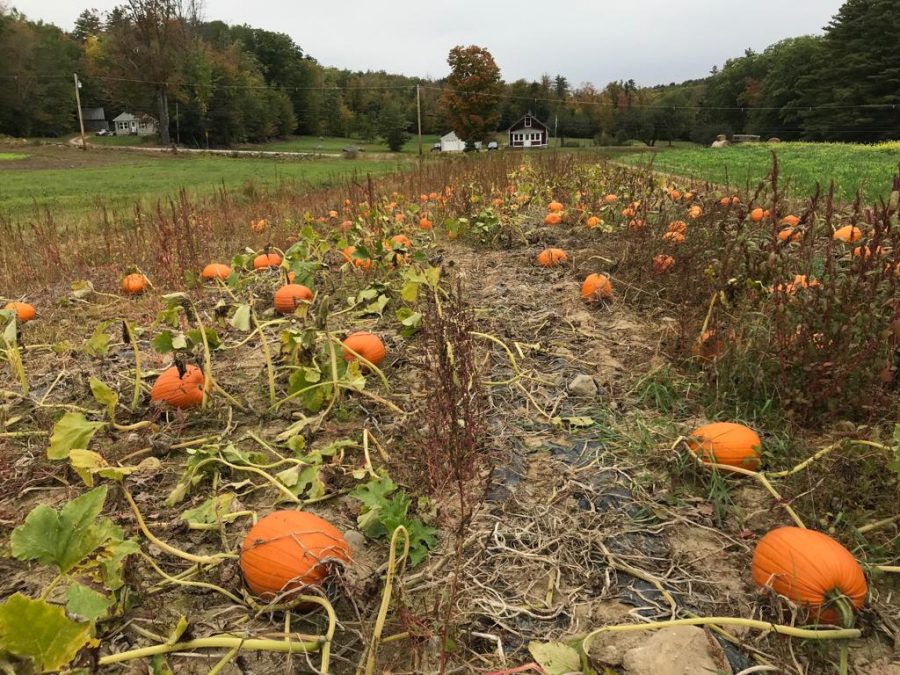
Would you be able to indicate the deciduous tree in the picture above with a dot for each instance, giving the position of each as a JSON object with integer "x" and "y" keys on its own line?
{"x": 471, "y": 97}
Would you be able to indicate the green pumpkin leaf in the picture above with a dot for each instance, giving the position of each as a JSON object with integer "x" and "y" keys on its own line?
{"x": 87, "y": 603}
{"x": 556, "y": 658}
{"x": 210, "y": 512}
{"x": 164, "y": 342}
{"x": 105, "y": 396}
{"x": 98, "y": 344}
{"x": 72, "y": 431}
{"x": 63, "y": 538}
{"x": 37, "y": 630}
{"x": 82, "y": 289}
{"x": 178, "y": 630}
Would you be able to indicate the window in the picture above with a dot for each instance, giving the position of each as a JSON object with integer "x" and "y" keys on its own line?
{"x": 527, "y": 121}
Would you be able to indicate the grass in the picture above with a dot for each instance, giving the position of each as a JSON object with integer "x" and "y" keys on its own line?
{"x": 337, "y": 144}
{"x": 802, "y": 166}
{"x": 120, "y": 180}
{"x": 120, "y": 141}
{"x": 9, "y": 156}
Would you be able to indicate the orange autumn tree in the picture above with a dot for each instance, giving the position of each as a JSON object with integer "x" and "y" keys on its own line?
{"x": 471, "y": 97}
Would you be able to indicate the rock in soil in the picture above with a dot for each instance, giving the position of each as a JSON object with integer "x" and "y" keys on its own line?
{"x": 680, "y": 650}
{"x": 583, "y": 385}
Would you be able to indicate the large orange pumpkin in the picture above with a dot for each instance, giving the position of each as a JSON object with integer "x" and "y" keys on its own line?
{"x": 24, "y": 311}
{"x": 265, "y": 260}
{"x": 552, "y": 219}
{"x": 808, "y": 568}
{"x": 289, "y": 297}
{"x": 367, "y": 345}
{"x": 288, "y": 550}
{"x": 133, "y": 284}
{"x": 847, "y": 233}
{"x": 551, "y": 257}
{"x": 727, "y": 443}
{"x": 179, "y": 391}
{"x": 596, "y": 287}
{"x": 216, "y": 271}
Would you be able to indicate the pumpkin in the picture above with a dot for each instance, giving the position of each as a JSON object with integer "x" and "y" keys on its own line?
{"x": 695, "y": 212}
{"x": 179, "y": 391}
{"x": 673, "y": 237}
{"x": 551, "y": 257}
{"x": 628, "y": 212}
{"x": 346, "y": 226}
{"x": 400, "y": 240}
{"x": 425, "y": 224}
{"x": 729, "y": 201}
{"x": 809, "y": 568}
{"x": 133, "y": 284}
{"x": 259, "y": 226}
{"x": 688, "y": 196}
{"x": 266, "y": 260}
{"x": 847, "y": 233}
{"x": 368, "y": 345}
{"x": 596, "y": 286}
{"x": 555, "y": 207}
{"x": 662, "y": 263}
{"x": 332, "y": 214}
{"x": 790, "y": 220}
{"x": 800, "y": 281}
{"x": 216, "y": 271}
{"x": 287, "y": 550}
{"x": 289, "y": 297}
{"x": 709, "y": 347}
{"x": 362, "y": 263}
{"x": 552, "y": 219}
{"x": 678, "y": 226}
{"x": 726, "y": 443}
{"x": 594, "y": 221}
{"x": 757, "y": 214}
{"x": 675, "y": 195}
{"x": 790, "y": 234}
{"x": 637, "y": 224}
{"x": 610, "y": 199}
{"x": 24, "y": 311}
{"x": 866, "y": 252}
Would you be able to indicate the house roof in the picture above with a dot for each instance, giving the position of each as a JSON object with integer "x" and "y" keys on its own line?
{"x": 128, "y": 117}
{"x": 534, "y": 120}
{"x": 93, "y": 114}
{"x": 450, "y": 136}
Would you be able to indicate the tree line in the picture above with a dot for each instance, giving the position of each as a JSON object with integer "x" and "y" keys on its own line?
{"x": 209, "y": 83}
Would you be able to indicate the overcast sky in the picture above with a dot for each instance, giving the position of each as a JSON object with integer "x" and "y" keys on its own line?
{"x": 651, "y": 41}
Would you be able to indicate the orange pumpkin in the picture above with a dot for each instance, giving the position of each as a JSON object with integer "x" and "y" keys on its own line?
{"x": 790, "y": 234}
{"x": 555, "y": 207}
{"x": 362, "y": 263}
{"x": 688, "y": 196}
{"x": 675, "y": 195}
{"x": 847, "y": 233}
{"x": 790, "y": 220}
{"x": 610, "y": 199}
{"x": 596, "y": 287}
{"x": 594, "y": 221}
{"x": 709, "y": 347}
{"x": 757, "y": 214}
{"x": 662, "y": 263}
{"x": 346, "y": 226}
{"x": 368, "y": 345}
{"x": 24, "y": 311}
{"x": 628, "y": 212}
{"x": 132, "y": 284}
{"x": 729, "y": 201}
{"x": 866, "y": 251}
{"x": 800, "y": 282}
{"x": 216, "y": 271}
{"x": 288, "y": 550}
{"x": 695, "y": 212}
{"x": 289, "y": 297}
{"x": 266, "y": 260}
{"x": 400, "y": 240}
{"x": 552, "y": 219}
{"x": 678, "y": 226}
{"x": 637, "y": 224}
{"x": 673, "y": 237}
{"x": 809, "y": 568}
{"x": 726, "y": 443}
{"x": 425, "y": 224}
{"x": 551, "y": 257}
{"x": 179, "y": 391}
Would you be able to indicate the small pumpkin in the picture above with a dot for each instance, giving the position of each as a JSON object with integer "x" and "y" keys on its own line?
{"x": 662, "y": 263}
{"x": 362, "y": 263}
{"x": 695, "y": 212}
{"x": 866, "y": 252}
{"x": 555, "y": 207}
{"x": 790, "y": 234}
{"x": 289, "y": 297}
{"x": 678, "y": 226}
{"x": 628, "y": 212}
{"x": 425, "y": 224}
{"x": 551, "y": 257}
{"x": 266, "y": 260}
{"x": 346, "y": 226}
{"x": 637, "y": 224}
{"x": 729, "y": 201}
{"x": 674, "y": 195}
{"x": 132, "y": 284}
{"x": 596, "y": 287}
{"x": 800, "y": 282}
{"x": 400, "y": 240}
{"x": 758, "y": 214}
{"x": 726, "y": 443}
{"x": 216, "y": 271}
{"x": 673, "y": 237}
{"x": 552, "y": 219}
{"x": 177, "y": 389}
{"x": 594, "y": 221}
{"x": 810, "y": 569}
{"x": 287, "y": 550}
{"x": 709, "y": 347}
{"x": 368, "y": 345}
{"x": 24, "y": 311}
{"x": 790, "y": 220}
{"x": 610, "y": 199}
{"x": 847, "y": 233}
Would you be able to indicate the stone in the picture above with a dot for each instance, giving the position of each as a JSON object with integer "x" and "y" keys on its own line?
{"x": 583, "y": 385}
{"x": 679, "y": 650}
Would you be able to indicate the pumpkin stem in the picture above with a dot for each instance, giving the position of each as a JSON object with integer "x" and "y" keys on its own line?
{"x": 844, "y": 608}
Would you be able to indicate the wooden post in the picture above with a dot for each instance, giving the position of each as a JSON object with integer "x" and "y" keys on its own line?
{"x": 419, "y": 117}
{"x": 80, "y": 117}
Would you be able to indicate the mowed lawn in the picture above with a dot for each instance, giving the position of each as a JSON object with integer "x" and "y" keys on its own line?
{"x": 336, "y": 144}
{"x": 76, "y": 183}
{"x": 802, "y": 166}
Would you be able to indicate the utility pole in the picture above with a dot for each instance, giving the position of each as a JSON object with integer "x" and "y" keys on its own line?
{"x": 419, "y": 116}
{"x": 177, "y": 124}
{"x": 80, "y": 117}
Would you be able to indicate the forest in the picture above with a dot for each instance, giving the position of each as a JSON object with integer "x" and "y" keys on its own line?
{"x": 210, "y": 83}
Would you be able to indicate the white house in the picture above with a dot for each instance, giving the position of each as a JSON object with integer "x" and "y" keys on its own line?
{"x": 529, "y": 132}
{"x": 134, "y": 125}
{"x": 452, "y": 143}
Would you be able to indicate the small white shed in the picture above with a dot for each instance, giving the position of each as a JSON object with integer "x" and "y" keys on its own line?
{"x": 127, "y": 124}
{"x": 452, "y": 143}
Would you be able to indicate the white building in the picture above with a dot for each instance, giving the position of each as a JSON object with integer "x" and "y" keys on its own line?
{"x": 452, "y": 143}
{"x": 127, "y": 124}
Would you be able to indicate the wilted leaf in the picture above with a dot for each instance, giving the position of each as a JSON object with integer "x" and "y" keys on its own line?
{"x": 105, "y": 396}
{"x": 87, "y": 603}
{"x": 555, "y": 658}
{"x": 241, "y": 318}
{"x": 410, "y": 320}
{"x": 40, "y": 631}
{"x": 178, "y": 630}
{"x": 573, "y": 421}
{"x": 82, "y": 289}
{"x": 72, "y": 431}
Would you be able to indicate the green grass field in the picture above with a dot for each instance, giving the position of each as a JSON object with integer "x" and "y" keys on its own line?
{"x": 120, "y": 141}
{"x": 53, "y": 180}
{"x": 336, "y": 144}
{"x": 9, "y": 156}
{"x": 802, "y": 166}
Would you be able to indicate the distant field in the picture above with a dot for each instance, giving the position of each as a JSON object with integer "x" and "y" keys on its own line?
{"x": 71, "y": 181}
{"x": 802, "y": 166}
{"x": 336, "y": 144}
{"x": 122, "y": 140}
